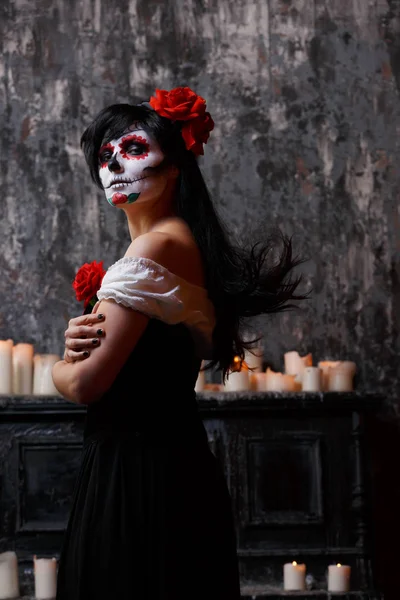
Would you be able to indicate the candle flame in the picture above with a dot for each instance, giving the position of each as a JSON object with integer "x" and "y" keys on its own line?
{"x": 338, "y": 565}
{"x": 294, "y": 563}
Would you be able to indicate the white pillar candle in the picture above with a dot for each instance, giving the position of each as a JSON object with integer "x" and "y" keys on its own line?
{"x": 312, "y": 379}
{"x": 258, "y": 382}
{"x": 6, "y": 347}
{"x": 9, "y": 582}
{"x": 295, "y": 364}
{"x": 200, "y": 382}
{"x": 294, "y": 577}
{"x": 341, "y": 377}
{"x": 45, "y": 570}
{"x": 237, "y": 381}
{"x": 238, "y": 378}
{"x": 42, "y": 378}
{"x": 326, "y": 366}
{"x": 280, "y": 382}
{"x": 339, "y": 578}
{"x": 22, "y": 359}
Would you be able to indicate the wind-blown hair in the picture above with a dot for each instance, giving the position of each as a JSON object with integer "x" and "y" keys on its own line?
{"x": 242, "y": 281}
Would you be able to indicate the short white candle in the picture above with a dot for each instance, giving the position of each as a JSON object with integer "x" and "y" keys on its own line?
{"x": 238, "y": 379}
{"x": 6, "y": 373}
{"x": 280, "y": 382}
{"x": 200, "y": 382}
{"x": 339, "y": 578}
{"x": 294, "y": 577}
{"x": 42, "y": 378}
{"x": 22, "y": 359}
{"x": 326, "y": 366}
{"x": 45, "y": 570}
{"x": 258, "y": 382}
{"x": 9, "y": 583}
{"x": 312, "y": 379}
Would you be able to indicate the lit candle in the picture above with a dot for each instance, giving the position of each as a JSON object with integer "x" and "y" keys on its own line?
{"x": 294, "y": 577}
{"x": 42, "y": 378}
{"x": 22, "y": 359}
{"x": 312, "y": 379}
{"x": 9, "y": 583}
{"x": 6, "y": 347}
{"x": 238, "y": 379}
{"x": 339, "y": 578}
{"x": 45, "y": 570}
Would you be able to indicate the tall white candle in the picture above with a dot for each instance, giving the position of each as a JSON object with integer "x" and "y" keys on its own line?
{"x": 22, "y": 359}
{"x": 294, "y": 577}
{"x": 42, "y": 378}
{"x": 9, "y": 582}
{"x": 45, "y": 570}
{"x": 6, "y": 373}
{"x": 339, "y": 578}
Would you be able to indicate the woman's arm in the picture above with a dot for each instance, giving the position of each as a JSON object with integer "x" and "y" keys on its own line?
{"x": 85, "y": 381}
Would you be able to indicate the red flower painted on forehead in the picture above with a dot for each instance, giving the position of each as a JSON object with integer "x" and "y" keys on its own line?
{"x": 107, "y": 147}
{"x": 127, "y": 141}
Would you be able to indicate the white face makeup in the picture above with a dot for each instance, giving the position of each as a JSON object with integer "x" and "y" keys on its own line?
{"x": 128, "y": 168}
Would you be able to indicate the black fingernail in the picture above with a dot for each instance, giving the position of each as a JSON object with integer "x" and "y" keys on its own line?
{"x": 95, "y": 341}
{"x": 86, "y": 353}
{"x": 99, "y": 332}
{"x": 100, "y": 316}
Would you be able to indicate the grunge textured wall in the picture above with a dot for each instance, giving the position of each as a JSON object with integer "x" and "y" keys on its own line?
{"x": 305, "y": 97}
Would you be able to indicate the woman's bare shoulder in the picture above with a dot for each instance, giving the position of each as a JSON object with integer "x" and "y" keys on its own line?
{"x": 171, "y": 244}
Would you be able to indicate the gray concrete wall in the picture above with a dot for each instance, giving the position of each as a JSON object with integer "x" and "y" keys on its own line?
{"x": 305, "y": 97}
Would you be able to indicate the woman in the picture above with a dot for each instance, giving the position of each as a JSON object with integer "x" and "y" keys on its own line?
{"x": 151, "y": 516}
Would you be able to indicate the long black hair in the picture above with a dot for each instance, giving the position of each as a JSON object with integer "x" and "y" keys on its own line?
{"x": 242, "y": 280}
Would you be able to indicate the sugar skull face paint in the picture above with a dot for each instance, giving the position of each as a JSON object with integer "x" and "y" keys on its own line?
{"x": 128, "y": 168}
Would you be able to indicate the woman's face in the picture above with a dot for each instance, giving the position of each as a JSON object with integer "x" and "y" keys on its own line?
{"x": 132, "y": 168}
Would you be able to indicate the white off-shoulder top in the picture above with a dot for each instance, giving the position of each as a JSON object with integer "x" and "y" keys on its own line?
{"x": 148, "y": 287}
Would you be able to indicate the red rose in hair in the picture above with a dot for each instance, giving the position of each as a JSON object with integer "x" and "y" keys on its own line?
{"x": 182, "y": 104}
{"x": 179, "y": 104}
{"x": 196, "y": 133}
{"x": 87, "y": 283}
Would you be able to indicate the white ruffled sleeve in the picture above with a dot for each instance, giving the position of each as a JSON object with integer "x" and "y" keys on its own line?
{"x": 146, "y": 286}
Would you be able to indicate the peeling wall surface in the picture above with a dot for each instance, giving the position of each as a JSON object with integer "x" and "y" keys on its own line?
{"x": 305, "y": 99}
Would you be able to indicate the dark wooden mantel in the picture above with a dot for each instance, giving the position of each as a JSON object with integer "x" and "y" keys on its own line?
{"x": 296, "y": 464}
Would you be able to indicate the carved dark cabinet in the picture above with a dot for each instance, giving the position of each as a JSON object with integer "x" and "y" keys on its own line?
{"x": 297, "y": 467}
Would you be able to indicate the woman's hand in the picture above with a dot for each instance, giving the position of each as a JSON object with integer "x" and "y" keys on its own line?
{"x": 83, "y": 335}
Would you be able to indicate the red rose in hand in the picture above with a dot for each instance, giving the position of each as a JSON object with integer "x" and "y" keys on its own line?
{"x": 179, "y": 104}
{"x": 87, "y": 282}
{"x": 196, "y": 133}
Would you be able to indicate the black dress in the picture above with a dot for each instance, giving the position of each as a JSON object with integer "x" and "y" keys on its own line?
{"x": 151, "y": 516}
